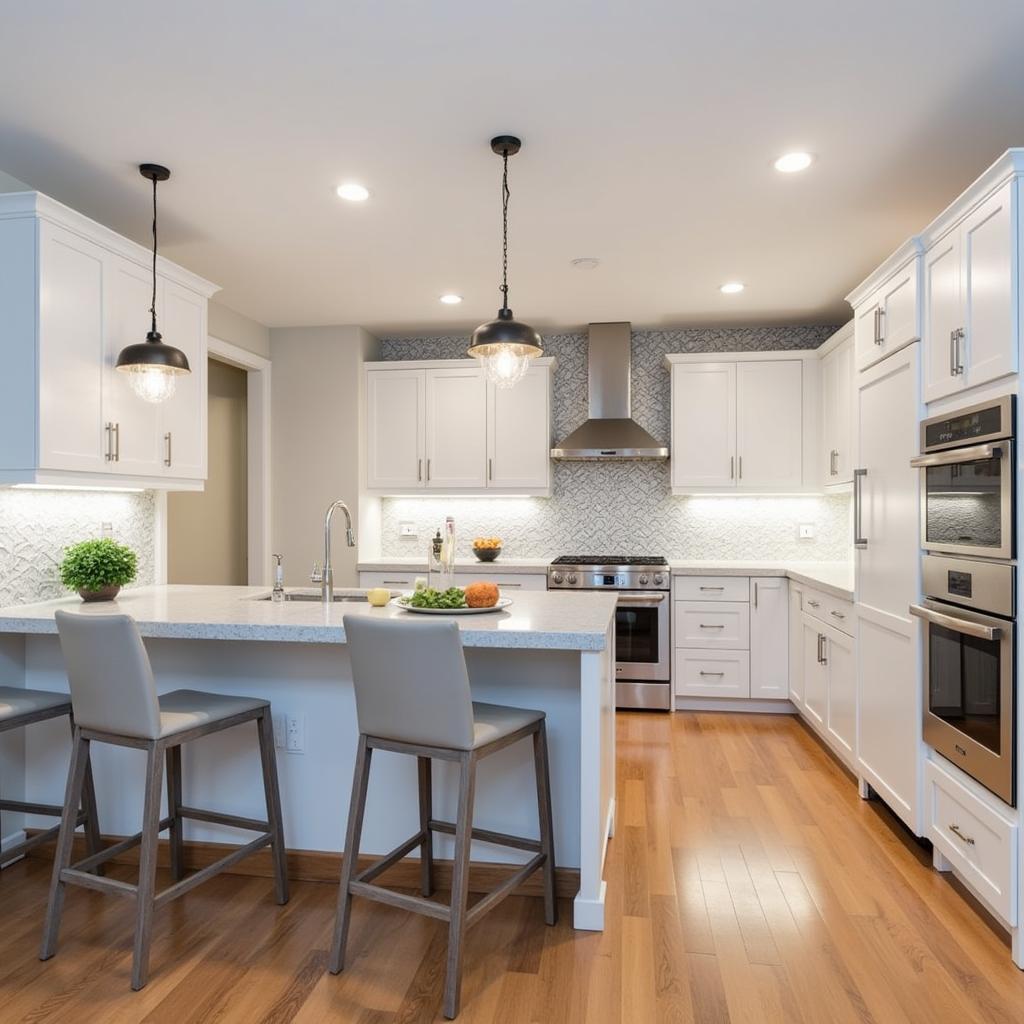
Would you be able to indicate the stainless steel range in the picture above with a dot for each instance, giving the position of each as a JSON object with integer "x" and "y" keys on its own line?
{"x": 643, "y": 666}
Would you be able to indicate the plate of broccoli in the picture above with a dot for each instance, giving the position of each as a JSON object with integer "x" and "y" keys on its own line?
{"x": 452, "y": 601}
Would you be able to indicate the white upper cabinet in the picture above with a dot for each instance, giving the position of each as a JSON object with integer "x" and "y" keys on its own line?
{"x": 837, "y": 409}
{"x": 744, "y": 422}
{"x": 704, "y": 425}
{"x": 74, "y": 294}
{"x": 886, "y": 310}
{"x": 456, "y": 428}
{"x": 970, "y": 307}
{"x": 519, "y": 432}
{"x": 395, "y": 425}
{"x": 440, "y": 426}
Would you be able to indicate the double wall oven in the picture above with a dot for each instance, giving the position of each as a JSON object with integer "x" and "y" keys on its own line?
{"x": 643, "y": 653}
{"x": 968, "y": 575}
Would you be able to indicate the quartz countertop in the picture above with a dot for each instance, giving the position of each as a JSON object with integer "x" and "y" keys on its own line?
{"x": 419, "y": 565}
{"x": 535, "y": 619}
{"x": 835, "y": 578}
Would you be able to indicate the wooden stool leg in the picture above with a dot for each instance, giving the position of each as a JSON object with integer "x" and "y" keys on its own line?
{"x": 547, "y": 839}
{"x": 144, "y": 903}
{"x": 92, "y": 819}
{"x": 65, "y": 841}
{"x": 426, "y": 813}
{"x": 272, "y": 791}
{"x": 360, "y": 778}
{"x": 460, "y": 885}
{"x": 175, "y": 838}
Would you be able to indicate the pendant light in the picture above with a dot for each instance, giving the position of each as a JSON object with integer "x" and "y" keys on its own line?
{"x": 153, "y": 367}
{"x": 505, "y": 346}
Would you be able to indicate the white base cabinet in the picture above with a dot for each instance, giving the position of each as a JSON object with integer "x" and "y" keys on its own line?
{"x": 769, "y": 636}
{"x": 74, "y": 294}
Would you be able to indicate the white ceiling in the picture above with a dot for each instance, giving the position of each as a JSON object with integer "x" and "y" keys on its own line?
{"x": 648, "y": 127}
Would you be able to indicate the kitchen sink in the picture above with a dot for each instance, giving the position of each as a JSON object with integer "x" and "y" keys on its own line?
{"x": 298, "y": 595}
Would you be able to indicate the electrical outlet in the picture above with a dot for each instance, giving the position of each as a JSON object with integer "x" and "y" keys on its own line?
{"x": 279, "y": 731}
{"x": 805, "y": 531}
{"x": 106, "y": 530}
{"x": 407, "y": 530}
{"x": 295, "y": 734}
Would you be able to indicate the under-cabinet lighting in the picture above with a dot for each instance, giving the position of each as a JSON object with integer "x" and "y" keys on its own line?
{"x": 77, "y": 487}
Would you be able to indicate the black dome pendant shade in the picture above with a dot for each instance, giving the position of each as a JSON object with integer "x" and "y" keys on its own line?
{"x": 505, "y": 344}
{"x": 152, "y": 363}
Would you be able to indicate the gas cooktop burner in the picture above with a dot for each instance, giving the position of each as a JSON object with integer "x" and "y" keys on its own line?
{"x": 610, "y": 560}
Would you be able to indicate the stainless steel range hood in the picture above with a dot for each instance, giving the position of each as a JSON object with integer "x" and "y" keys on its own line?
{"x": 611, "y": 432}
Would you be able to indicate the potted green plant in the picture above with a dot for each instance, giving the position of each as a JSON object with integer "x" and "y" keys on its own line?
{"x": 98, "y": 569}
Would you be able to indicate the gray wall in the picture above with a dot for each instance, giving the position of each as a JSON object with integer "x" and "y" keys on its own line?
{"x": 627, "y": 506}
{"x": 228, "y": 325}
{"x": 317, "y": 430}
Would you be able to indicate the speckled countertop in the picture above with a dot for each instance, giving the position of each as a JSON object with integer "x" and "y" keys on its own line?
{"x": 535, "y": 620}
{"x": 834, "y": 578}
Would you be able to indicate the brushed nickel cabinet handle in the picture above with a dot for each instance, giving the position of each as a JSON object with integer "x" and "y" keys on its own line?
{"x": 813, "y": 604}
{"x": 428, "y": 471}
{"x": 167, "y": 450}
{"x": 703, "y": 673}
{"x": 399, "y": 583}
{"x": 419, "y": 470}
{"x": 109, "y": 454}
{"x": 837, "y": 615}
{"x": 732, "y": 467}
{"x": 117, "y": 442}
{"x": 955, "y": 829}
{"x": 741, "y": 467}
{"x": 490, "y": 469}
{"x": 755, "y": 593}
{"x": 859, "y": 540}
{"x": 712, "y": 588}
{"x": 705, "y": 625}
{"x": 952, "y": 353}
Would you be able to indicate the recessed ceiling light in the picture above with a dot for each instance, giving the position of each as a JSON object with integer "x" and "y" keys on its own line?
{"x": 451, "y": 299}
{"x": 790, "y": 163}
{"x": 731, "y": 287}
{"x": 586, "y": 263}
{"x": 353, "y": 193}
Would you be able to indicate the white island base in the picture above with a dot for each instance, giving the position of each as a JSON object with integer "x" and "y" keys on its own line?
{"x": 565, "y": 670}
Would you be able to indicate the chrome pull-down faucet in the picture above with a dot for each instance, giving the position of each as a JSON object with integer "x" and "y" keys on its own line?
{"x": 325, "y": 575}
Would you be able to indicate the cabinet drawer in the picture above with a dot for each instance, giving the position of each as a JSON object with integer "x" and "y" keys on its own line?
{"x": 712, "y": 588}
{"x": 394, "y": 580}
{"x": 712, "y": 673}
{"x": 506, "y": 581}
{"x": 713, "y": 624}
{"x": 976, "y": 837}
{"x": 833, "y": 611}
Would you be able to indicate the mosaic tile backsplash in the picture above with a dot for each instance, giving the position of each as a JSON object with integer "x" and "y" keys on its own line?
{"x": 627, "y": 506}
{"x": 37, "y": 525}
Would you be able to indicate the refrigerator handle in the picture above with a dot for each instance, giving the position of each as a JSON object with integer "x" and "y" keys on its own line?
{"x": 859, "y": 540}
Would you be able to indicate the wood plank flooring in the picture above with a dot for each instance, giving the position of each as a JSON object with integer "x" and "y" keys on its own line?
{"x": 747, "y": 883}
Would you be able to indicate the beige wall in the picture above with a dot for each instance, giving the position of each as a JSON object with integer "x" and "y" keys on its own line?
{"x": 228, "y": 325}
{"x": 316, "y": 442}
{"x": 207, "y": 536}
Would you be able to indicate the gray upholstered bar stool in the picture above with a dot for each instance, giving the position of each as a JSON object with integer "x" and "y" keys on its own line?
{"x": 115, "y": 701}
{"x": 19, "y": 708}
{"x": 412, "y": 697}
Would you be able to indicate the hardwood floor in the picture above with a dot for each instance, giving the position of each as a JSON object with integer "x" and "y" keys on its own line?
{"x": 747, "y": 883}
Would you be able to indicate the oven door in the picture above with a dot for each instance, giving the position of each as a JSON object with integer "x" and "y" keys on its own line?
{"x": 970, "y": 693}
{"x": 967, "y": 500}
{"x": 642, "y": 636}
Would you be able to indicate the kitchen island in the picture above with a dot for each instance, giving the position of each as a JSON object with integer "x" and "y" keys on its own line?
{"x": 554, "y": 652}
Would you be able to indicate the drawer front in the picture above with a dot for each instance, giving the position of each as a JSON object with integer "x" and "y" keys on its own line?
{"x": 979, "y": 840}
{"x": 712, "y": 588}
{"x": 712, "y": 624}
{"x": 394, "y": 580}
{"x": 712, "y": 673}
{"x": 839, "y": 614}
{"x": 506, "y": 581}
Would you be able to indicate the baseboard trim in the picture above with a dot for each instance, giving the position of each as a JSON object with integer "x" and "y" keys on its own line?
{"x": 325, "y": 866}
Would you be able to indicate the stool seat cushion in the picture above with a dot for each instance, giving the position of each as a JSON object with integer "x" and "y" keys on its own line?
{"x": 181, "y": 710}
{"x": 493, "y": 721}
{"x": 15, "y": 702}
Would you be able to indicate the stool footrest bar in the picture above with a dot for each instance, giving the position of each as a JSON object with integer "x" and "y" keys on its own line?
{"x": 495, "y": 896}
{"x": 417, "y": 904}
{"x": 217, "y": 818}
{"x": 84, "y": 879}
{"x": 378, "y": 867}
{"x": 112, "y": 851}
{"x": 487, "y": 836}
{"x": 25, "y": 807}
{"x": 182, "y": 887}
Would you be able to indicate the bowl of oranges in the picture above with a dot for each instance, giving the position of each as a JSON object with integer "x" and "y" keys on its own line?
{"x": 487, "y": 549}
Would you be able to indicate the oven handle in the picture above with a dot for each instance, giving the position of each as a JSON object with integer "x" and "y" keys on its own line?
{"x": 955, "y": 455}
{"x": 647, "y": 599}
{"x": 975, "y": 629}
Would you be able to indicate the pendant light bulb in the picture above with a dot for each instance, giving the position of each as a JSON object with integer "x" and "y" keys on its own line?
{"x": 151, "y": 366}
{"x": 505, "y": 346}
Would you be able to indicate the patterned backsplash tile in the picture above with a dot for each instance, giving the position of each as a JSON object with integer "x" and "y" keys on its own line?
{"x": 627, "y": 506}
{"x": 36, "y": 527}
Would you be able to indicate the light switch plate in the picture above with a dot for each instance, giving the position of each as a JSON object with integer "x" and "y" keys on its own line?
{"x": 407, "y": 530}
{"x": 805, "y": 531}
{"x": 295, "y": 733}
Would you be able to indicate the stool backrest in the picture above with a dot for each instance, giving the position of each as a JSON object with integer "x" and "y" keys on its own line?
{"x": 411, "y": 681}
{"x": 112, "y": 685}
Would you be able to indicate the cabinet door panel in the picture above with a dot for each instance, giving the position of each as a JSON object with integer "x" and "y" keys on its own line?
{"x": 519, "y": 433}
{"x": 865, "y": 331}
{"x": 987, "y": 291}
{"x": 769, "y": 638}
{"x": 456, "y": 428}
{"x": 183, "y": 416}
{"x": 942, "y": 316}
{"x": 769, "y": 433}
{"x": 394, "y": 429}
{"x": 796, "y": 653}
{"x": 837, "y": 387}
{"x": 813, "y": 672}
{"x": 71, "y": 322}
{"x": 704, "y": 425}
{"x": 842, "y": 693}
{"x": 139, "y": 440}
{"x": 899, "y": 325}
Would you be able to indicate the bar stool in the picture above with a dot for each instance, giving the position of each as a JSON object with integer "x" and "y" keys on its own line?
{"x": 412, "y": 697}
{"x": 115, "y": 701}
{"x": 18, "y": 708}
